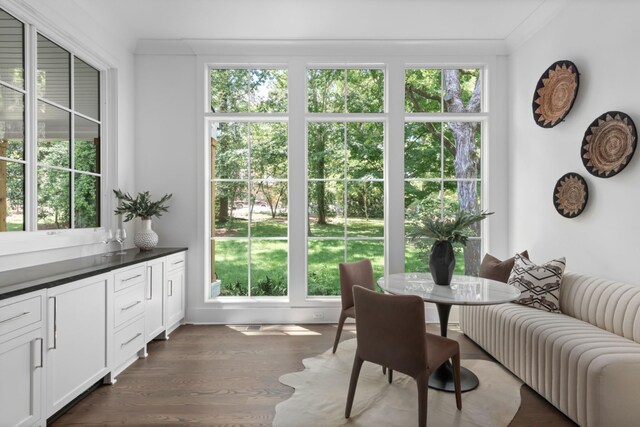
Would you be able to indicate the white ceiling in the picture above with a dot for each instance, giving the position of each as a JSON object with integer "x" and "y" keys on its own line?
{"x": 322, "y": 19}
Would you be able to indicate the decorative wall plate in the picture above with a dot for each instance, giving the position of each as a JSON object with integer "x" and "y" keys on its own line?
{"x": 555, "y": 93}
{"x": 570, "y": 195}
{"x": 608, "y": 144}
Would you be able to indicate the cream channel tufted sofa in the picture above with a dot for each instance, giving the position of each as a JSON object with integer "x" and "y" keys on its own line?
{"x": 585, "y": 361}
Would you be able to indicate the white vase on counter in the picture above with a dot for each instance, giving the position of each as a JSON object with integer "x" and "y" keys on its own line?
{"x": 145, "y": 238}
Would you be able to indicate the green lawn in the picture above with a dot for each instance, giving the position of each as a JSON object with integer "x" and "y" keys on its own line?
{"x": 269, "y": 257}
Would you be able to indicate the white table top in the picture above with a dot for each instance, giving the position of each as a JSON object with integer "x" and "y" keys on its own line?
{"x": 464, "y": 290}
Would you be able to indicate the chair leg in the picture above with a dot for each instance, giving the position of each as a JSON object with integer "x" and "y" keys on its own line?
{"x": 422, "y": 382}
{"x": 355, "y": 373}
{"x": 339, "y": 331}
{"x": 456, "y": 380}
{"x": 390, "y": 375}
{"x": 384, "y": 370}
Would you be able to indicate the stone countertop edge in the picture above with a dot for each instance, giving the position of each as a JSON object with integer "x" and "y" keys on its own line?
{"x": 28, "y": 279}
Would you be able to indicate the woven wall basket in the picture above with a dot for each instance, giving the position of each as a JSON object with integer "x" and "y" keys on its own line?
{"x": 555, "y": 93}
{"x": 570, "y": 195}
{"x": 608, "y": 144}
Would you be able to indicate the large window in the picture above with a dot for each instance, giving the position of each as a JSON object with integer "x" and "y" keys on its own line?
{"x": 345, "y": 165}
{"x": 442, "y": 157}
{"x": 249, "y": 172}
{"x": 311, "y": 163}
{"x": 62, "y": 153}
{"x": 12, "y": 124}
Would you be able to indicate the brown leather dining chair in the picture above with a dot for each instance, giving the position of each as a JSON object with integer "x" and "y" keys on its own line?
{"x": 391, "y": 332}
{"x": 352, "y": 273}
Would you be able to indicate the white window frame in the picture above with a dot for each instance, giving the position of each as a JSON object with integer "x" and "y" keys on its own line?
{"x": 342, "y": 118}
{"x": 396, "y": 57}
{"x": 30, "y": 240}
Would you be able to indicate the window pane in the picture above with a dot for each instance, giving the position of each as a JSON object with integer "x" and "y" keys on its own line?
{"x": 368, "y": 249}
{"x": 460, "y": 87}
{"x": 420, "y": 196}
{"x": 462, "y": 150}
{"x": 269, "y": 209}
{"x": 423, "y": 90}
{"x": 231, "y": 210}
{"x": 54, "y": 199}
{"x": 463, "y": 195}
{"x": 229, "y": 90}
{"x": 87, "y": 201}
{"x": 230, "y": 262}
{"x": 365, "y": 91}
{"x": 11, "y": 124}
{"x": 231, "y": 151}
{"x": 269, "y": 150}
{"x": 11, "y": 50}
{"x": 87, "y": 89}
{"x": 422, "y": 152}
{"x": 87, "y": 145}
{"x": 268, "y": 91}
{"x": 326, "y": 150}
{"x": 323, "y": 276}
{"x": 416, "y": 255}
{"x": 11, "y": 196}
{"x": 53, "y": 72}
{"x": 365, "y": 215}
{"x": 269, "y": 268}
{"x": 325, "y": 91}
{"x": 365, "y": 150}
{"x": 326, "y": 209}
{"x": 53, "y": 135}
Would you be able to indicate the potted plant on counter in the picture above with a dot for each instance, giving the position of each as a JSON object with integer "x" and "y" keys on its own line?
{"x": 445, "y": 230}
{"x": 144, "y": 208}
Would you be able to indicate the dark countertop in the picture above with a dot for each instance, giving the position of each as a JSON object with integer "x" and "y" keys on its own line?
{"x": 28, "y": 279}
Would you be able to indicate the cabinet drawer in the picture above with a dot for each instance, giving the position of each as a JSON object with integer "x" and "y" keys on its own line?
{"x": 128, "y": 304}
{"x": 18, "y": 314}
{"x": 132, "y": 276}
{"x": 175, "y": 261}
{"x": 128, "y": 341}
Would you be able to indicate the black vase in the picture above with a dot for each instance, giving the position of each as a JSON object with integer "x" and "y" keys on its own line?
{"x": 442, "y": 262}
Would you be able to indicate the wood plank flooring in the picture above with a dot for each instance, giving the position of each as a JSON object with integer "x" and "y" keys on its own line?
{"x": 218, "y": 376}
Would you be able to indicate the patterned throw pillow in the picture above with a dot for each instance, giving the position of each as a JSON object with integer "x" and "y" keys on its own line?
{"x": 539, "y": 284}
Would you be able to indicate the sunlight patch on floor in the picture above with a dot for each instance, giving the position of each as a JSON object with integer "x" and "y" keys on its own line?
{"x": 263, "y": 330}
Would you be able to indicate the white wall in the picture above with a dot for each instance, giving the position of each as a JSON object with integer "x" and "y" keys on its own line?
{"x": 96, "y": 35}
{"x": 602, "y": 39}
{"x": 166, "y": 150}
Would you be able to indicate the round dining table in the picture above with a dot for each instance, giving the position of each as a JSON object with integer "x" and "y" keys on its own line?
{"x": 463, "y": 290}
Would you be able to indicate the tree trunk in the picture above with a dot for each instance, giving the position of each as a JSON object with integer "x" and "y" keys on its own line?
{"x": 465, "y": 163}
{"x": 223, "y": 211}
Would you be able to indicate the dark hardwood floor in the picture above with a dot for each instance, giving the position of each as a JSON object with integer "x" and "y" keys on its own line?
{"x": 218, "y": 376}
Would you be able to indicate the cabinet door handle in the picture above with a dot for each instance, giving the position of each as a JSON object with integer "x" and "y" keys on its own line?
{"x": 170, "y": 288}
{"x": 178, "y": 262}
{"x": 133, "y": 304}
{"x": 41, "y": 353}
{"x": 53, "y": 334}
{"x": 132, "y": 277}
{"x": 150, "y": 276}
{"x": 16, "y": 317}
{"x": 130, "y": 339}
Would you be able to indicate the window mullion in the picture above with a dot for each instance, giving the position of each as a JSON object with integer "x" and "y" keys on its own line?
{"x": 31, "y": 130}
{"x": 72, "y": 142}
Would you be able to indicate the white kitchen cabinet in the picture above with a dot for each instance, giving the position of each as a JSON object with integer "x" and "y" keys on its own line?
{"x": 175, "y": 291}
{"x": 129, "y": 308}
{"x": 79, "y": 329}
{"x": 21, "y": 360}
{"x": 154, "y": 299}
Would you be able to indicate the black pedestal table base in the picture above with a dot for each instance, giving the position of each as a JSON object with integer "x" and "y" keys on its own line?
{"x": 442, "y": 378}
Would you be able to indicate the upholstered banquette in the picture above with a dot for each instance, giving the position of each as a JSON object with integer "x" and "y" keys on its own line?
{"x": 585, "y": 361}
